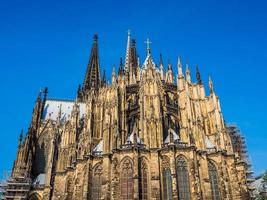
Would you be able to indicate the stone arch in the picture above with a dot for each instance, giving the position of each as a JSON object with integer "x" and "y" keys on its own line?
{"x": 183, "y": 185}
{"x": 126, "y": 179}
{"x": 35, "y": 196}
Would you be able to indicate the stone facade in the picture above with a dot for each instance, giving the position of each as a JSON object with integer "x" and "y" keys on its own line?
{"x": 144, "y": 136}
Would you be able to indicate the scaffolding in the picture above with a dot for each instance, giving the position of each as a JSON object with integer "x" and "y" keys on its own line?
{"x": 240, "y": 148}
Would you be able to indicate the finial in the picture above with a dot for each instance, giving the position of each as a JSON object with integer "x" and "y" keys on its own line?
{"x": 133, "y": 42}
{"x": 95, "y": 37}
{"x": 169, "y": 64}
{"x": 198, "y": 75}
{"x": 104, "y": 78}
{"x": 148, "y": 42}
{"x": 129, "y": 32}
{"x": 160, "y": 60}
{"x": 188, "y": 77}
{"x": 20, "y": 137}
{"x": 121, "y": 70}
{"x": 114, "y": 69}
{"x": 179, "y": 65}
{"x": 211, "y": 86}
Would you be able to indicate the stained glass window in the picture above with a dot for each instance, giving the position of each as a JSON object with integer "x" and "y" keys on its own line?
{"x": 166, "y": 179}
{"x": 127, "y": 183}
{"x": 215, "y": 192}
{"x": 182, "y": 179}
{"x": 97, "y": 182}
{"x": 143, "y": 180}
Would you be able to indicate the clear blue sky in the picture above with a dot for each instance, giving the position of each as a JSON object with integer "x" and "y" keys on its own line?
{"x": 46, "y": 43}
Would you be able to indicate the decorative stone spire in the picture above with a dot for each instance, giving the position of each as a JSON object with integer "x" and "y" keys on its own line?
{"x": 45, "y": 92}
{"x": 79, "y": 92}
{"x": 198, "y": 76}
{"x": 121, "y": 70}
{"x": 20, "y": 137}
{"x": 161, "y": 67}
{"x": 114, "y": 75}
{"x": 133, "y": 63}
{"x": 148, "y": 42}
{"x": 180, "y": 70}
{"x": 188, "y": 76}
{"x": 92, "y": 77}
{"x": 169, "y": 74}
{"x": 211, "y": 86}
{"x": 104, "y": 80}
{"x": 128, "y": 52}
{"x": 138, "y": 70}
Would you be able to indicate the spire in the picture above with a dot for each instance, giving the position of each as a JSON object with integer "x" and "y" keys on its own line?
{"x": 92, "y": 77}
{"x": 198, "y": 76}
{"x": 148, "y": 42}
{"x": 169, "y": 74}
{"x": 179, "y": 65}
{"x": 79, "y": 92}
{"x": 20, "y": 137}
{"x": 104, "y": 80}
{"x": 128, "y": 51}
{"x": 160, "y": 60}
{"x": 161, "y": 68}
{"x": 45, "y": 92}
{"x": 134, "y": 59}
{"x": 211, "y": 86}
{"x": 121, "y": 70}
{"x": 188, "y": 76}
{"x": 114, "y": 75}
{"x": 37, "y": 111}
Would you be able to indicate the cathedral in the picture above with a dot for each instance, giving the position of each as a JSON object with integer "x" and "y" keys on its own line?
{"x": 148, "y": 134}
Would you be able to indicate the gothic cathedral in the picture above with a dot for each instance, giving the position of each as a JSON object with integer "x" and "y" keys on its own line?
{"x": 149, "y": 134}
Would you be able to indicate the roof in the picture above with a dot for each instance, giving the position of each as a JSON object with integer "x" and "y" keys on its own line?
{"x": 40, "y": 180}
{"x": 54, "y": 107}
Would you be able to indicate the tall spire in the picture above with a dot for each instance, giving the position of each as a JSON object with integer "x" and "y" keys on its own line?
{"x": 134, "y": 59}
{"x": 198, "y": 76}
{"x": 92, "y": 77}
{"x": 128, "y": 51}
{"x": 179, "y": 65}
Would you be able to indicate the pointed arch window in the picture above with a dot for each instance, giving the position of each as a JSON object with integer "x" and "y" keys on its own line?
{"x": 97, "y": 182}
{"x": 215, "y": 192}
{"x": 166, "y": 179}
{"x": 143, "y": 180}
{"x": 127, "y": 185}
{"x": 182, "y": 179}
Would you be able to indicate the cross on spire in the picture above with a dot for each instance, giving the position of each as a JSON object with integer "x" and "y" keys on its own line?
{"x": 148, "y": 42}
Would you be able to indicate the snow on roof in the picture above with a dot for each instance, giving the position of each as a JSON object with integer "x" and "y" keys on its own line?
{"x": 99, "y": 147}
{"x": 52, "y": 109}
{"x": 130, "y": 139}
{"x": 209, "y": 144}
{"x": 40, "y": 180}
{"x": 175, "y": 136}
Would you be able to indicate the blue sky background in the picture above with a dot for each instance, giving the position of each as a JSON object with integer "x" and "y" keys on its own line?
{"x": 46, "y": 43}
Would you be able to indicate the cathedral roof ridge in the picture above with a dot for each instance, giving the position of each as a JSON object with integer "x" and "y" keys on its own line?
{"x": 59, "y": 99}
